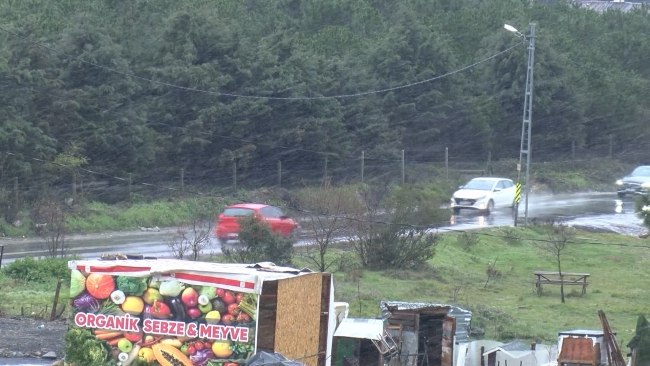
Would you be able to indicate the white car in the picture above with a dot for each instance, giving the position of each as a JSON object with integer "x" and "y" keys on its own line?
{"x": 484, "y": 194}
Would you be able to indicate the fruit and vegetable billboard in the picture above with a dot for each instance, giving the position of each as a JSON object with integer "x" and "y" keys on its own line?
{"x": 121, "y": 318}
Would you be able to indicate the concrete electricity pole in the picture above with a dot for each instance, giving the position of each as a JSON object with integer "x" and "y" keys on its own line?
{"x": 528, "y": 115}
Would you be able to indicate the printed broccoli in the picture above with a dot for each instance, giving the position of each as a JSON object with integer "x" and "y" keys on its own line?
{"x": 82, "y": 348}
{"x": 131, "y": 285}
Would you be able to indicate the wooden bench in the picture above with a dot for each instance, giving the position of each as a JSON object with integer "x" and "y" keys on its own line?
{"x": 567, "y": 278}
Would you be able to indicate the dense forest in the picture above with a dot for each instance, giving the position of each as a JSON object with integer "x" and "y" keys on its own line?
{"x": 152, "y": 86}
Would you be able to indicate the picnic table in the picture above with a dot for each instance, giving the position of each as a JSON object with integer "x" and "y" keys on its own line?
{"x": 567, "y": 278}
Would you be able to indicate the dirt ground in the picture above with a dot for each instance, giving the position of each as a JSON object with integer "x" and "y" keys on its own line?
{"x": 24, "y": 337}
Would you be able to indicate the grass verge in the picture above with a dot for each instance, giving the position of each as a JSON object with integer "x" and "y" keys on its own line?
{"x": 506, "y": 307}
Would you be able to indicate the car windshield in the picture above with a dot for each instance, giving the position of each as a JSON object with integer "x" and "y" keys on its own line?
{"x": 642, "y": 171}
{"x": 480, "y": 184}
{"x": 237, "y": 212}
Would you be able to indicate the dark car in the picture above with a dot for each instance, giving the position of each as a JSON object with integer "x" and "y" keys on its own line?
{"x": 637, "y": 182}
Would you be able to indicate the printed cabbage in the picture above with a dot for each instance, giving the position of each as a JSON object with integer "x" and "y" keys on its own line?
{"x": 77, "y": 283}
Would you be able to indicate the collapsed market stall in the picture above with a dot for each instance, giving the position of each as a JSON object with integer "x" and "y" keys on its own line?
{"x": 178, "y": 312}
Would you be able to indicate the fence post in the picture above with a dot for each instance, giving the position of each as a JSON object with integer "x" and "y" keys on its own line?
{"x": 489, "y": 163}
{"x": 16, "y": 192}
{"x": 56, "y": 300}
{"x": 279, "y": 173}
{"x": 611, "y": 145}
{"x": 130, "y": 183}
{"x": 182, "y": 181}
{"x": 446, "y": 163}
{"x": 234, "y": 173}
{"x": 2, "y": 251}
{"x": 573, "y": 150}
{"x": 74, "y": 186}
{"x": 363, "y": 158}
{"x": 402, "y": 166}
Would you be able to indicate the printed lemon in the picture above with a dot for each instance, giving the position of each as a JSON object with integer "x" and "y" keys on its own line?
{"x": 212, "y": 317}
{"x": 146, "y": 354}
{"x": 221, "y": 349}
{"x": 133, "y": 305}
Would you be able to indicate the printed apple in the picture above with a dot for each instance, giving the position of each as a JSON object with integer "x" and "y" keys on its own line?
{"x": 205, "y": 308}
{"x": 194, "y": 313}
{"x": 190, "y": 297}
{"x": 125, "y": 345}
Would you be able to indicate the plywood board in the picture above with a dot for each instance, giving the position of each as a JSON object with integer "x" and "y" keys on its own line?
{"x": 297, "y": 327}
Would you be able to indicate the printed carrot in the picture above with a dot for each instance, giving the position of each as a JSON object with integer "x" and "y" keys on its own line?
{"x": 108, "y": 336}
{"x": 114, "y": 342}
{"x": 104, "y": 331}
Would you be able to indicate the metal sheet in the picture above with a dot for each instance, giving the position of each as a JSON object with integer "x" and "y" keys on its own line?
{"x": 360, "y": 328}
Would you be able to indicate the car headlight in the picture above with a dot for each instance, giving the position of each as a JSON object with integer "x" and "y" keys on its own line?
{"x": 645, "y": 185}
{"x": 619, "y": 182}
{"x": 481, "y": 198}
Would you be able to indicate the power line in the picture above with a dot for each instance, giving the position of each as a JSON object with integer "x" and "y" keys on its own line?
{"x": 340, "y": 96}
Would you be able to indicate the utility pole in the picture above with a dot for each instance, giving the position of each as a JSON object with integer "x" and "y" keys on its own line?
{"x": 279, "y": 173}
{"x": 527, "y": 117}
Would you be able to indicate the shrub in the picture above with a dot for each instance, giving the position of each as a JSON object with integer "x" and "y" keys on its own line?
{"x": 397, "y": 237}
{"x": 257, "y": 243}
{"x": 467, "y": 240}
{"x": 38, "y": 270}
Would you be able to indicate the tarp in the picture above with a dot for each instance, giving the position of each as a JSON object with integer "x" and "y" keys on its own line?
{"x": 641, "y": 342}
{"x": 271, "y": 359}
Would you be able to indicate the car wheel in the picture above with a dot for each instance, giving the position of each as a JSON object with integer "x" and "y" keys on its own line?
{"x": 456, "y": 210}
{"x": 222, "y": 241}
{"x": 490, "y": 207}
{"x": 621, "y": 194}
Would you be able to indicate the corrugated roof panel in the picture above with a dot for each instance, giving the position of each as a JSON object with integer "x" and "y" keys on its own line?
{"x": 463, "y": 316}
{"x": 602, "y": 6}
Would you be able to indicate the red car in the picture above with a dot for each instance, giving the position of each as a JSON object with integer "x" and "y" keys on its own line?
{"x": 228, "y": 227}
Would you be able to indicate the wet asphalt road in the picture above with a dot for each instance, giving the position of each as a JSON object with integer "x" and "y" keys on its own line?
{"x": 595, "y": 211}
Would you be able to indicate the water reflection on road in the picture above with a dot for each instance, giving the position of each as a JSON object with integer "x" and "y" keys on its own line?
{"x": 595, "y": 211}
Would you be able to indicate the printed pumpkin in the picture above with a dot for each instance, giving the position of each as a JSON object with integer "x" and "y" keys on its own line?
{"x": 100, "y": 286}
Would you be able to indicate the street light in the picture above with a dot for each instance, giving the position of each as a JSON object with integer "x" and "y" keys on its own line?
{"x": 528, "y": 114}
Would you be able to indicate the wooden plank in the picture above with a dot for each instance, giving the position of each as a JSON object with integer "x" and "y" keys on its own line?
{"x": 297, "y": 329}
{"x": 547, "y": 273}
{"x": 565, "y": 283}
{"x": 324, "y": 318}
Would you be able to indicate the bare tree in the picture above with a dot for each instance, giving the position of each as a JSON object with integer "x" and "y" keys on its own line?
{"x": 190, "y": 240}
{"x": 326, "y": 212}
{"x": 50, "y": 217}
{"x": 393, "y": 231}
{"x": 559, "y": 235}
